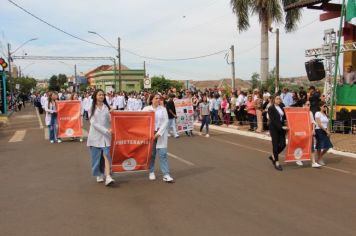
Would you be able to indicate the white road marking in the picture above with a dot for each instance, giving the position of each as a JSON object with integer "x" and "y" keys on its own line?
{"x": 260, "y": 150}
{"x": 39, "y": 118}
{"x": 180, "y": 159}
{"x": 18, "y": 136}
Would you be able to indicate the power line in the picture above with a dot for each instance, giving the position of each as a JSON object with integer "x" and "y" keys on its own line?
{"x": 55, "y": 27}
{"x": 128, "y": 51}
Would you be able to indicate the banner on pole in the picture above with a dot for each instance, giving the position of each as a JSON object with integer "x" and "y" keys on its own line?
{"x": 132, "y": 140}
{"x": 299, "y": 134}
{"x": 69, "y": 120}
{"x": 185, "y": 114}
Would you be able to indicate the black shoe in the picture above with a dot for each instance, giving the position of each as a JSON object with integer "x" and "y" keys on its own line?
{"x": 279, "y": 167}
{"x": 273, "y": 161}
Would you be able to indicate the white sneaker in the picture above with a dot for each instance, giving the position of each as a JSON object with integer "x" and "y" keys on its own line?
{"x": 321, "y": 162}
{"x": 177, "y": 136}
{"x": 169, "y": 135}
{"x": 81, "y": 140}
{"x": 152, "y": 176}
{"x": 316, "y": 165}
{"x": 109, "y": 180}
{"x": 100, "y": 178}
{"x": 168, "y": 179}
{"x": 52, "y": 141}
{"x": 299, "y": 163}
{"x": 59, "y": 141}
{"x": 207, "y": 135}
{"x": 200, "y": 133}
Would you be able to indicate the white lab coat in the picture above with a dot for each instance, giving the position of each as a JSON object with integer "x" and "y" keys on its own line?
{"x": 49, "y": 111}
{"x": 161, "y": 124}
{"x": 100, "y": 123}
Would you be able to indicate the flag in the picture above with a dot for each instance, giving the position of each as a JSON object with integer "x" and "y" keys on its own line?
{"x": 69, "y": 119}
{"x": 351, "y": 12}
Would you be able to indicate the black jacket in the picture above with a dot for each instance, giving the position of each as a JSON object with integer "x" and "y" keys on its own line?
{"x": 275, "y": 122}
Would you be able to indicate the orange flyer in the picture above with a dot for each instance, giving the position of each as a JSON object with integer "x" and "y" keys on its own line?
{"x": 299, "y": 134}
{"x": 132, "y": 140}
{"x": 69, "y": 120}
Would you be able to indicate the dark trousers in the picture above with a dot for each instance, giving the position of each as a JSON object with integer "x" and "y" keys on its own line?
{"x": 252, "y": 119}
{"x": 278, "y": 142}
{"x": 205, "y": 122}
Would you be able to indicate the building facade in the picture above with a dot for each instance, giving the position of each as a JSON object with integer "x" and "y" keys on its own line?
{"x": 103, "y": 77}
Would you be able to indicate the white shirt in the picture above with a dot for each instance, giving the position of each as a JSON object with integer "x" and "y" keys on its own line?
{"x": 49, "y": 111}
{"x": 131, "y": 104}
{"x": 324, "y": 120}
{"x": 87, "y": 102}
{"x": 161, "y": 125}
{"x": 240, "y": 100}
{"x": 119, "y": 102}
{"x": 288, "y": 99}
{"x": 44, "y": 99}
{"x": 100, "y": 123}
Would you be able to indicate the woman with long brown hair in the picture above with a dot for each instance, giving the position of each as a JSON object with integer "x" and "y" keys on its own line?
{"x": 99, "y": 137}
{"x": 277, "y": 130}
{"x": 51, "y": 116}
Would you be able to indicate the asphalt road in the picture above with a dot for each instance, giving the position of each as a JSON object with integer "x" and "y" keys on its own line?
{"x": 225, "y": 185}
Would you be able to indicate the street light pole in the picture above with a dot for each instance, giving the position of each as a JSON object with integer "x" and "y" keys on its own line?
{"x": 233, "y": 67}
{"x": 119, "y": 56}
{"x": 10, "y": 76}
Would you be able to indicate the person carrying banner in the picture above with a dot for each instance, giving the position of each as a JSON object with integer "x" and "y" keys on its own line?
{"x": 322, "y": 133}
{"x": 51, "y": 117}
{"x": 160, "y": 139}
{"x": 74, "y": 97}
{"x": 314, "y": 163}
{"x": 277, "y": 130}
{"x": 99, "y": 137}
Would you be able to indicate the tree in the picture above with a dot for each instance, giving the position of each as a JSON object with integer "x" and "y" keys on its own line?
{"x": 160, "y": 83}
{"x": 62, "y": 79}
{"x": 255, "y": 80}
{"x": 26, "y": 84}
{"x": 268, "y": 11}
{"x": 53, "y": 84}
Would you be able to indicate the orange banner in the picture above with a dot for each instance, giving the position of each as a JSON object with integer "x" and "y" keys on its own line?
{"x": 69, "y": 120}
{"x": 132, "y": 140}
{"x": 299, "y": 134}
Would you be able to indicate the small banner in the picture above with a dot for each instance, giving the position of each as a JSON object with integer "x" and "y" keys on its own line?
{"x": 299, "y": 134}
{"x": 69, "y": 120}
{"x": 132, "y": 140}
{"x": 185, "y": 114}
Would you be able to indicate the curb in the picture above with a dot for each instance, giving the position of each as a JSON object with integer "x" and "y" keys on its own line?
{"x": 267, "y": 137}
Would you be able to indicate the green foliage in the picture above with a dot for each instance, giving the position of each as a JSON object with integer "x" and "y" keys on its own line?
{"x": 255, "y": 80}
{"x": 160, "y": 83}
{"x": 57, "y": 82}
{"x": 26, "y": 84}
{"x": 53, "y": 84}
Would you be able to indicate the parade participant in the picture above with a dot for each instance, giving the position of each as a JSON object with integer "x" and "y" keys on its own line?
{"x": 277, "y": 130}
{"x": 204, "y": 107}
{"x": 314, "y": 98}
{"x": 312, "y": 121}
{"x": 87, "y": 103}
{"x": 99, "y": 137}
{"x": 119, "y": 102}
{"x": 322, "y": 133}
{"x": 131, "y": 103}
{"x": 251, "y": 112}
{"x": 172, "y": 115}
{"x": 160, "y": 139}
{"x": 51, "y": 117}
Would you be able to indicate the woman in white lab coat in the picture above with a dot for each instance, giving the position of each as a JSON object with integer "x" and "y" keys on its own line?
{"x": 160, "y": 139}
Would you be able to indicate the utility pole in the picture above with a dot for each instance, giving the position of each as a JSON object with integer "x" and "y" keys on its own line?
{"x": 10, "y": 76}
{"x": 144, "y": 68}
{"x": 276, "y": 85}
{"x": 233, "y": 67}
{"x": 75, "y": 78}
{"x": 119, "y": 56}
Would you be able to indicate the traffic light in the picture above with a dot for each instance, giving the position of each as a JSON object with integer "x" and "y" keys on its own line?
{"x": 3, "y": 63}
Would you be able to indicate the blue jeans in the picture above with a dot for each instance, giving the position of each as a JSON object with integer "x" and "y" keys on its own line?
{"x": 205, "y": 121}
{"x": 215, "y": 116}
{"x": 162, "y": 152}
{"x": 52, "y": 128}
{"x": 95, "y": 153}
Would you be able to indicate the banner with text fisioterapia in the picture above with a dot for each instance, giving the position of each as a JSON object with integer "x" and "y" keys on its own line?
{"x": 69, "y": 119}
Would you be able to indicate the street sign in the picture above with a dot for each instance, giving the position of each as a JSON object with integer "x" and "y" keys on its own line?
{"x": 147, "y": 83}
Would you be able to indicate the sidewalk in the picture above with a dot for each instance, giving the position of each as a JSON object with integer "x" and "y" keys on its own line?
{"x": 344, "y": 144}
{"x": 4, "y": 118}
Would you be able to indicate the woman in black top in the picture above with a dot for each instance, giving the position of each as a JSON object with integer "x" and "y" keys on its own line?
{"x": 277, "y": 130}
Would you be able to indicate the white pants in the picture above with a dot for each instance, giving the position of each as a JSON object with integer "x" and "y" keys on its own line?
{"x": 172, "y": 125}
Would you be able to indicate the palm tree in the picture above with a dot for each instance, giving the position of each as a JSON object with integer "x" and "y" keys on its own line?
{"x": 268, "y": 11}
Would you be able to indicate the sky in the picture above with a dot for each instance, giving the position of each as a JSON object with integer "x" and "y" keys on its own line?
{"x": 152, "y": 28}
